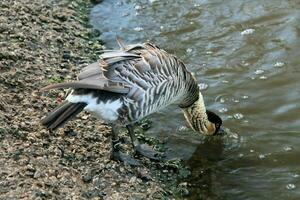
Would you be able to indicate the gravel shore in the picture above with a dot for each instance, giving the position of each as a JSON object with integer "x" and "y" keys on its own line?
{"x": 44, "y": 41}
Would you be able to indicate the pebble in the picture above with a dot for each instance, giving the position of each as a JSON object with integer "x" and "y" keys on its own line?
{"x": 263, "y": 77}
{"x": 295, "y": 175}
{"x": 279, "y": 64}
{"x": 182, "y": 128}
{"x": 262, "y": 156}
{"x": 37, "y": 174}
{"x": 247, "y": 31}
{"x": 152, "y": 1}
{"x": 133, "y": 179}
{"x": 138, "y": 7}
{"x": 222, "y": 100}
{"x": 288, "y": 148}
{"x": 189, "y": 50}
{"x": 259, "y": 71}
{"x": 223, "y": 110}
{"x": 184, "y": 192}
{"x": 238, "y": 116}
{"x": 138, "y": 29}
{"x": 203, "y": 86}
{"x": 290, "y": 186}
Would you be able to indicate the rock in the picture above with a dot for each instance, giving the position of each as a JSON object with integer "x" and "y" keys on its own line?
{"x": 61, "y": 16}
{"x": 88, "y": 176}
{"x": 96, "y": 1}
{"x": 70, "y": 133}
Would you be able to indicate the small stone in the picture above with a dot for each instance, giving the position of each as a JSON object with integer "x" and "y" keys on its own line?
{"x": 145, "y": 126}
{"x": 290, "y": 186}
{"x": 88, "y": 176}
{"x": 263, "y": 77}
{"x": 37, "y": 174}
{"x": 66, "y": 56}
{"x": 247, "y": 31}
{"x": 238, "y": 116}
{"x": 223, "y": 110}
{"x": 184, "y": 192}
{"x": 183, "y": 184}
{"x": 138, "y": 29}
{"x": 70, "y": 133}
{"x": 203, "y": 86}
{"x": 84, "y": 117}
{"x": 288, "y": 148}
{"x": 259, "y": 71}
{"x": 61, "y": 16}
{"x": 262, "y": 156}
{"x": 138, "y": 7}
{"x": 144, "y": 176}
{"x": 189, "y": 50}
{"x": 133, "y": 179}
{"x": 279, "y": 64}
{"x": 295, "y": 175}
{"x": 96, "y": 1}
{"x": 182, "y": 128}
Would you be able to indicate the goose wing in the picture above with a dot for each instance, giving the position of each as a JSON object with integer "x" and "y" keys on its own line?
{"x": 91, "y": 77}
{"x": 145, "y": 68}
{"x": 132, "y": 70}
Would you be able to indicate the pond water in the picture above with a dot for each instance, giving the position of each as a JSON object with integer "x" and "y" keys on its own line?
{"x": 246, "y": 55}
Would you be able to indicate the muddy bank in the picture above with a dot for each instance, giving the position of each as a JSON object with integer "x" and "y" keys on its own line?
{"x": 49, "y": 41}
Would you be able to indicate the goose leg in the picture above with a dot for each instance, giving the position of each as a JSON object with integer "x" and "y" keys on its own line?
{"x": 116, "y": 154}
{"x": 142, "y": 149}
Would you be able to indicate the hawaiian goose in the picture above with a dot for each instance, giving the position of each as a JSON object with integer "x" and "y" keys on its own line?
{"x": 127, "y": 85}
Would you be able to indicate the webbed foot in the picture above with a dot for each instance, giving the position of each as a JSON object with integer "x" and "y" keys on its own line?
{"x": 120, "y": 156}
{"x": 147, "y": 151}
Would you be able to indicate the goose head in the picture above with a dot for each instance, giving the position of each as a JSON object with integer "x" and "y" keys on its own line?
{"x": 202, "y": 120}
{"x": 216, "y": 122}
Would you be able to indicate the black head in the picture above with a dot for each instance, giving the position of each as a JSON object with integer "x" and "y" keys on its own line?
{"x": 215, "y": 119}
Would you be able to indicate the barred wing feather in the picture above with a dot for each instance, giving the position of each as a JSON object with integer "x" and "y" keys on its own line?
{"x": 136, "y": 70}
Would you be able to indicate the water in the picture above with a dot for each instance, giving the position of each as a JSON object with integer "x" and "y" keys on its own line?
{"x": 246, "y": 54}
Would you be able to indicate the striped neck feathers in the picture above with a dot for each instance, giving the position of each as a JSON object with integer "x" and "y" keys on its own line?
{"x": 197, "y": 117}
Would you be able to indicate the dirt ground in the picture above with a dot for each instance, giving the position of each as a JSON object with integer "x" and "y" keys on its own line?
{"x": 47, "y": 41}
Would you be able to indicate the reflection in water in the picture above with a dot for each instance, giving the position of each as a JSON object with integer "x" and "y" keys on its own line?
{"x": 246, "y": 53}
{"x": 203, "y": 164}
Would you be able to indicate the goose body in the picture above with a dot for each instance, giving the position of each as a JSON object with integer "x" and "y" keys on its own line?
{"x": 129, "y": 84}
{"x": 133, "y": 83}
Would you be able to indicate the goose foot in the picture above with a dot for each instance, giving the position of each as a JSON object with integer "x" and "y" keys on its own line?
{"x": 120, "y": 156}
{"x": 147, "y": 151}
{"x": 117, "y": 154}
{"x": 142, "y": 149}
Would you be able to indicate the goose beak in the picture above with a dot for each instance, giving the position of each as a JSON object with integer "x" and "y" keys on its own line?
{"x": 221, "y": 132}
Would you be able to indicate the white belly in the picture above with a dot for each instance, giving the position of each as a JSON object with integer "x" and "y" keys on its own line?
{"x": 103, "y": 110}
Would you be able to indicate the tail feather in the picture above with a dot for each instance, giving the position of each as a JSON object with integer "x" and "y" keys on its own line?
{"x": 62, "y": 114}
